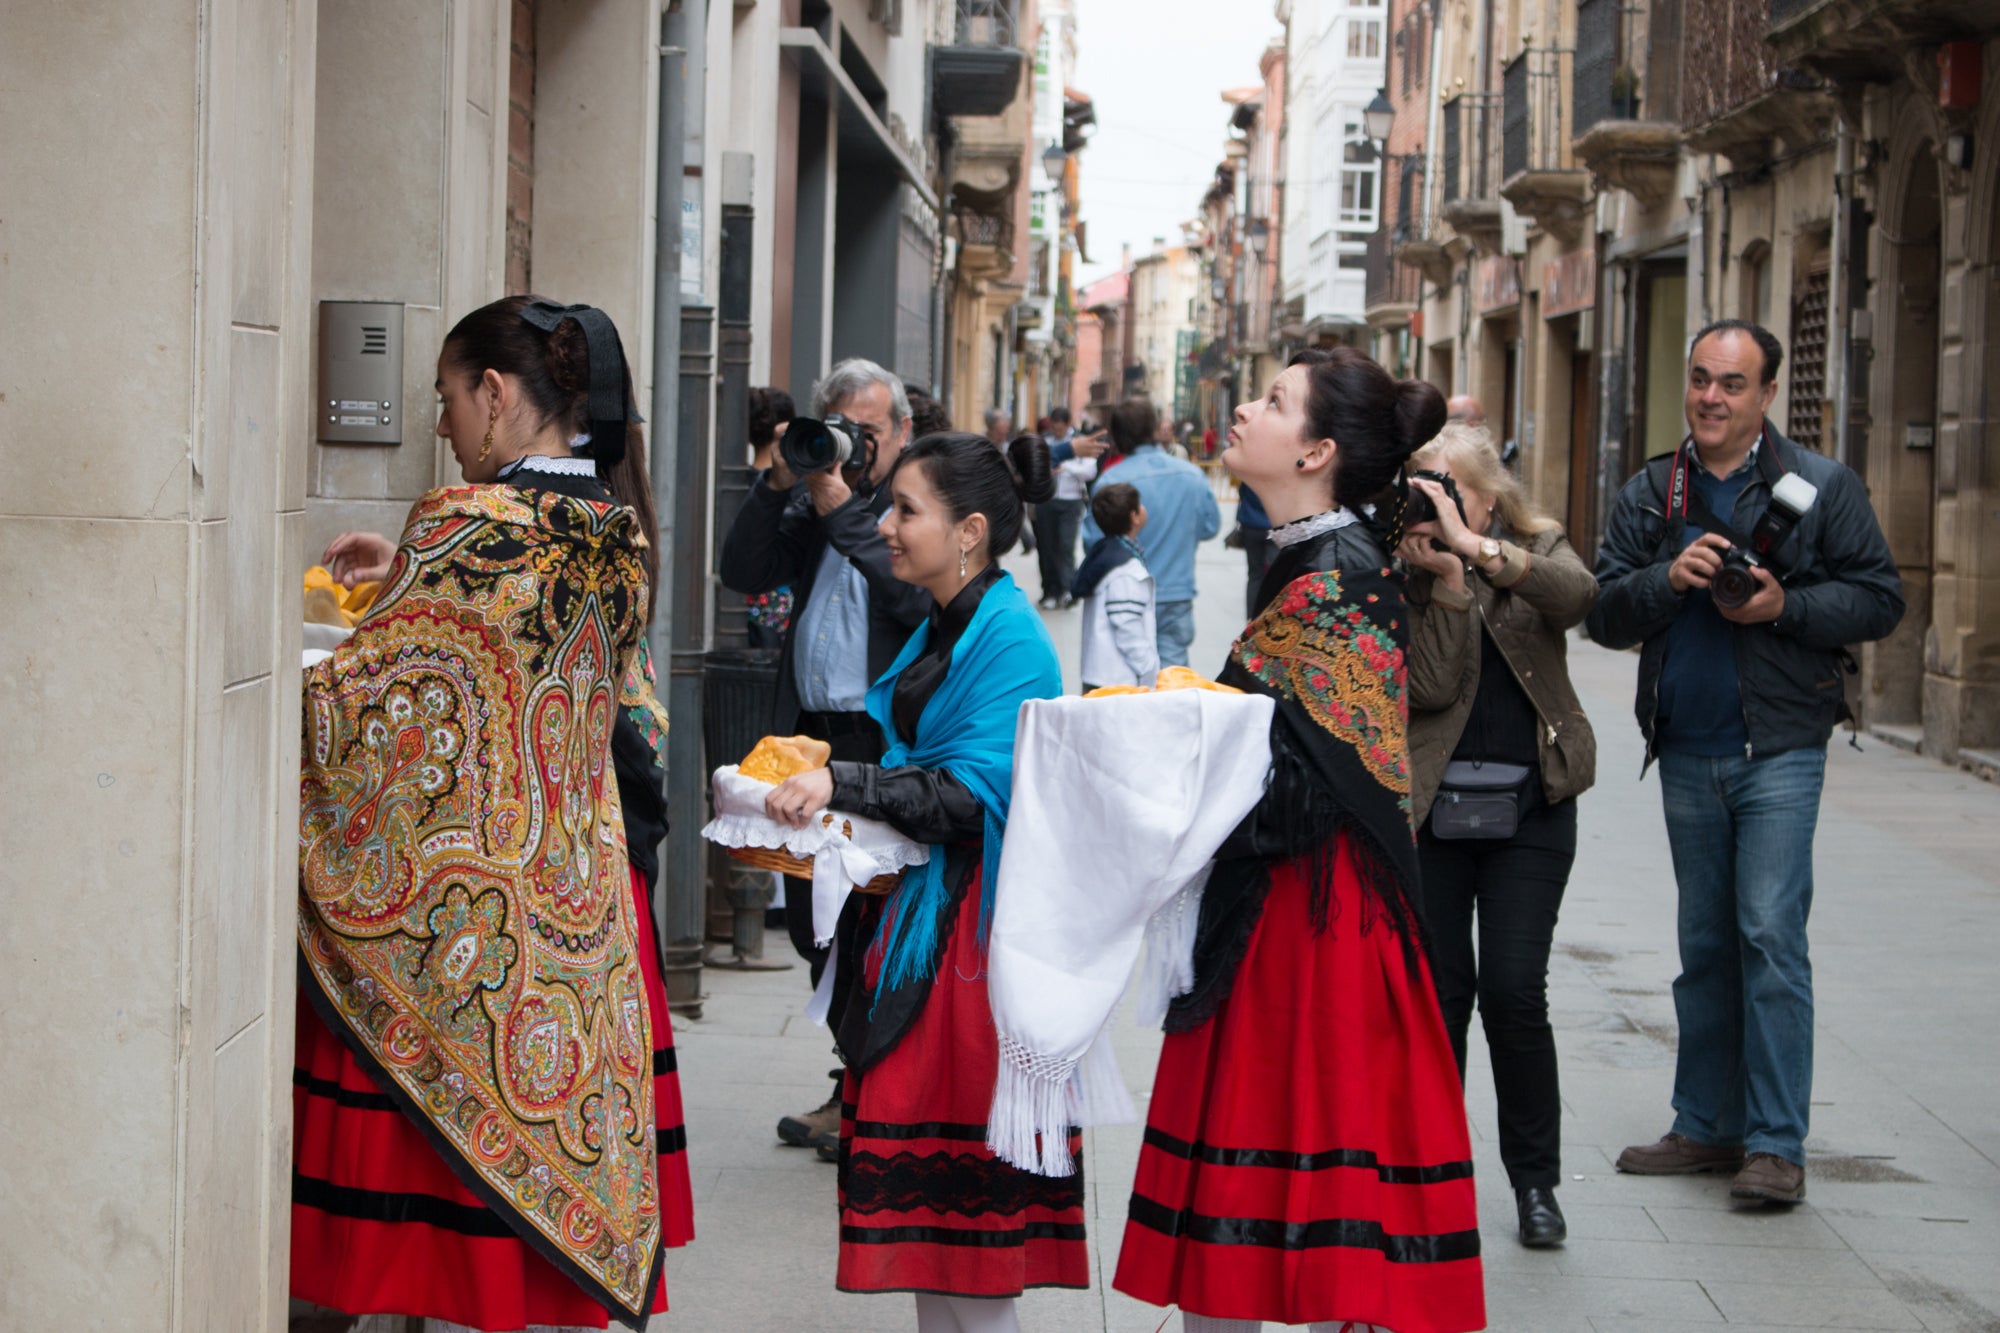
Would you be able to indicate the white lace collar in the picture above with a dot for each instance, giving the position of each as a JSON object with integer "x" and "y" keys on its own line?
{"x": 574, "y": 467}
{"x": 1304, "y": 529}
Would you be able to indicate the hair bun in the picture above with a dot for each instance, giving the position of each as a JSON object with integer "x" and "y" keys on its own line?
{"x": 1034, "y": 476}
{"x": 1420, "y": 414}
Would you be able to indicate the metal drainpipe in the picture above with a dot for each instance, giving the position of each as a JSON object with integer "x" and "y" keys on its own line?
{"x": 680, "y": 475}
{"x": 1839, "y": 296}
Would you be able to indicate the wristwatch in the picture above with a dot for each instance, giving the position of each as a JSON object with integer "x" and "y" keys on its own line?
{"x": 1489, "y": 551}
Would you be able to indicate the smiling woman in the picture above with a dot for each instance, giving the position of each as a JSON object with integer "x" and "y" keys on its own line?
{"x": 924, "y": 1205}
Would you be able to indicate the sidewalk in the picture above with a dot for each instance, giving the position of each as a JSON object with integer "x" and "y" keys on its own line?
{"x": 1901, "y": 1229}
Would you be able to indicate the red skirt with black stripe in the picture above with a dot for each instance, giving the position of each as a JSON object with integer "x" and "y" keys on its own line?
{"x": 380, "y": 1225}
{"x": 1306, "y": 1156}
{"x": 924, "y": 1205}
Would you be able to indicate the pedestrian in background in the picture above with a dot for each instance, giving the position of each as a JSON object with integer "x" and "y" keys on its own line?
{"x": 1058, "y": 521}
{"x": 1253, "y": 538}
{"x": 1499, "y": 751}
{"x": 927, "y": 414}
{"x": 1120, "y": 639}
{"x": 1182, "y": 513}
{"x": 770, "y": 613}
{"x": 1737, "y": 698}
{"x": 999, "y": 426}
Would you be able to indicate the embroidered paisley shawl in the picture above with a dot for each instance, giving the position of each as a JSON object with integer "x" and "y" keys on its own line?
{"x": 463, "y": 881}
{"x": 1329, "y": 647}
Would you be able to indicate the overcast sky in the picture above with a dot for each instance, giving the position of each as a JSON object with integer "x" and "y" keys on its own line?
{"x": 1156, "y": 70}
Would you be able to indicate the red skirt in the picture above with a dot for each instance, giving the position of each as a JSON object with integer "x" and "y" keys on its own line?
{"x": 924, "y": 1204}
{"x": 380, "y": 1225}
{"x": 1306, "y": 1156}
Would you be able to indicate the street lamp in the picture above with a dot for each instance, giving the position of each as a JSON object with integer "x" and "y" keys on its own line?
{"x": 1377, "y": 117}
{"x": 1259, "y": 230}
{"x": 1053, "y": 158}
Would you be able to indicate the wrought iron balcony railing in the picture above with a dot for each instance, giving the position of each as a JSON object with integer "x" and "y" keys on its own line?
{"x": 1534, "y": 136}
{"x": 979, "y": 73}
{"x": 1471, "y": 166}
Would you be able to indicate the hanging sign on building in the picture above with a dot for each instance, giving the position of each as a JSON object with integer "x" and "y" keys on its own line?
{"x": 1569, "y": 283}
{"x": 1499, "y": 284}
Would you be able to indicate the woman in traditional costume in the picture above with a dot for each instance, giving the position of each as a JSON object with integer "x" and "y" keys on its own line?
{"x": 486, "y": 1114}
{"x": 925, "y": 1207}
{"x": 1306, "y": 1159}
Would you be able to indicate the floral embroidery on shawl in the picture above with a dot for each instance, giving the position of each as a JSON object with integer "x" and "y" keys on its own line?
{"x": 1325, "y": 653}
{"x": 463, "y": 876}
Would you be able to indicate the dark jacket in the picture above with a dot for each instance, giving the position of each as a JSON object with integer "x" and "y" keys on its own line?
{"x": 1529, "y": 615}
{"x": 778, "y": 539}
{"x": 1841, "y": 587}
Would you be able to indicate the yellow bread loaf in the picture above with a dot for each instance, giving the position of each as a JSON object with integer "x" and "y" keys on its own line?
{"x": 1187, "y": 678}
{"x": 779, "y": 757}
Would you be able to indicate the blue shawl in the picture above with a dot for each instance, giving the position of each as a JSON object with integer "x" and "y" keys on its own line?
{"x": 1003, "y": 659}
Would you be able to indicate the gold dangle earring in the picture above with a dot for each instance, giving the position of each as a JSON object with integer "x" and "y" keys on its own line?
{"x": 961, "y": 561}
{"x": 486, "y": 445}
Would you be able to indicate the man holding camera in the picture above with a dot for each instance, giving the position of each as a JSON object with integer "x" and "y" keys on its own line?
{"x": 850, "y": 617}
{"x": 1742, "y": 565}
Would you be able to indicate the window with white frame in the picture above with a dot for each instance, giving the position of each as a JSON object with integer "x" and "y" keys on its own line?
{"x": 1364, "y": 39}
{"x": 1360, "y": 177}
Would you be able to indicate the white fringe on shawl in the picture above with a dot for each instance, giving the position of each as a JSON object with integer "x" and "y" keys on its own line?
{"x": 1118, "y": 807}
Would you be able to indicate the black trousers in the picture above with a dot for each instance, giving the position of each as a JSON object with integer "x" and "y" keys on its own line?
{"x": 1056, "y": 524}
{"x": 1515, "y": 886}
{"x": 854, "y": 738}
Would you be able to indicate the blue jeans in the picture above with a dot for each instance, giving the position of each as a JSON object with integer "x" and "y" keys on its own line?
{"x": 1742, "y": 832}
{"x": 1173, "y": 631}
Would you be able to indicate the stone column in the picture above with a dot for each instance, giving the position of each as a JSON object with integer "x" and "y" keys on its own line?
{"x": 154, "y": 375}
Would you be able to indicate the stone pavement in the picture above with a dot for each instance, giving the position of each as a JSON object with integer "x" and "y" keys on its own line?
{"x": 1901, "y": 1228}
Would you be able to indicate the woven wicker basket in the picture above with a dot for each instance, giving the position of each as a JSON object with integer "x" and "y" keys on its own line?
{"x": 801, "y": 867}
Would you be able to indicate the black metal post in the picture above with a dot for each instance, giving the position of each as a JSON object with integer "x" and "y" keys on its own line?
{"x": 677, "y": 455}
{"x": 687, "y": 770}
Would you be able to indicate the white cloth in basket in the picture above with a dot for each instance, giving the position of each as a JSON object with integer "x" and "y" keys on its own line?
{"x": 840, "y": 861}
{"x": 1118, "y": 807}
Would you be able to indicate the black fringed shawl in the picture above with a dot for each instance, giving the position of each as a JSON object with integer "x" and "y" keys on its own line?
{"x": 1329, "y": 647}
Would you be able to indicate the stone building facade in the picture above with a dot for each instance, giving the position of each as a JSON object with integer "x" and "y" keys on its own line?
{"x": 1601, "y": 179}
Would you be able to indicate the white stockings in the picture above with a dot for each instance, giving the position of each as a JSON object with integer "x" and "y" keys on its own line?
{"x": 965, "y": 1314}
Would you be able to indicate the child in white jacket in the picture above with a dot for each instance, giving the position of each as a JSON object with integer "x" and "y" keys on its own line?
{"x": 1119, "y": 644}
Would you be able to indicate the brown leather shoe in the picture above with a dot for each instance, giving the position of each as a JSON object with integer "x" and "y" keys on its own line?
{"x": 817, "y": 1127}
{"x": 1769, "y": 1178}
{"x": 1678, "y": 1155}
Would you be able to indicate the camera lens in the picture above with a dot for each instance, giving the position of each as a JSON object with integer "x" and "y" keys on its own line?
{"x": 812, "y": 446}
{"x": 1733, "y": 584}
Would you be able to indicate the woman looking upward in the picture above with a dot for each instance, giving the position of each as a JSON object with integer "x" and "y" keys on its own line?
{"x": 1306, "y": 1158}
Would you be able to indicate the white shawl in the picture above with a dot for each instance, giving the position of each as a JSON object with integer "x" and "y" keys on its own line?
{"x": 1118, "y": 807}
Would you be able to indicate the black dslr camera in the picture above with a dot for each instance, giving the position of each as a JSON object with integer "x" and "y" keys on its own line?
{"x": 1734, "y": 584}
{"x": 1423, "y": 509}
{"x": 814, "y": 446}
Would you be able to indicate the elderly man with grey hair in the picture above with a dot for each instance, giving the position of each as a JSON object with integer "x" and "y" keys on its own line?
{"x": 999, "y": 426}
{"x": 851, "y": 616}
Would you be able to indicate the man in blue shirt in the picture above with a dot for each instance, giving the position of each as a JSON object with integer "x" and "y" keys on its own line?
{"x": 1737, "y": 703}
{"x": 1181, "y": 514}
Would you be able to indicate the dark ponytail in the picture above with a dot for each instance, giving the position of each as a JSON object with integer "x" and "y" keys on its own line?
{"x": 1377, "y": 422}
{"x": 972, "y": 476}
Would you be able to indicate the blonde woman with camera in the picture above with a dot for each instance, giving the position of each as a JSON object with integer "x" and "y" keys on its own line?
{"x": 1499, "y": 750}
